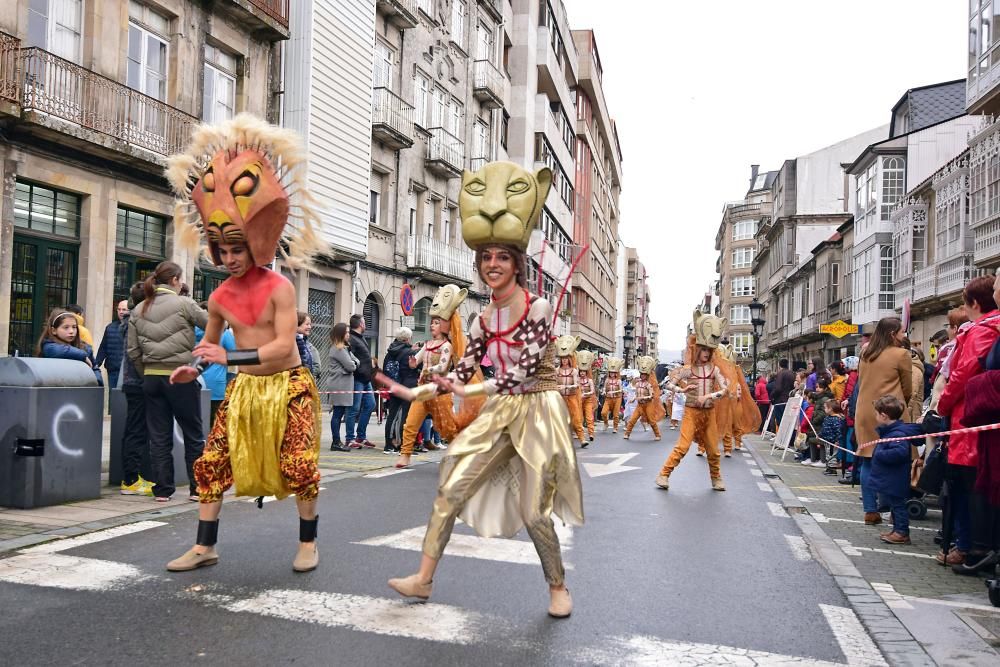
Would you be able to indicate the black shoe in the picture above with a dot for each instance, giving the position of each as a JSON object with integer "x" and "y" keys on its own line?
{"x": 338, "y": 447}
{"x": 847, "y": 479}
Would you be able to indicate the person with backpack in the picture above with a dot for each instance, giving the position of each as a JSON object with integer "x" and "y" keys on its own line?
{"x": 396, "y": 361}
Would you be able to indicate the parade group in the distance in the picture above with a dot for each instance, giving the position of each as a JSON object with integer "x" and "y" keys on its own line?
{"x": 511, "y": 460}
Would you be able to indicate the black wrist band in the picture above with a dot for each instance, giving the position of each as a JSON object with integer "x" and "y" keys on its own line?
{"x": 243, "y": 358}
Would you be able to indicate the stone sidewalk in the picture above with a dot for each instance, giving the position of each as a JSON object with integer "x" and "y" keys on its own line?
{"x": 20, "y": 528}
{"x": 948, "y": 614}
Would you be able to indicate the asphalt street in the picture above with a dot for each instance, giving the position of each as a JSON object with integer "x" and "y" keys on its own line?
{"x": 657, "y": 578}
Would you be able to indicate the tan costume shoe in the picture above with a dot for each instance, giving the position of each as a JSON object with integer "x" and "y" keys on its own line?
{"x": 192, "y": 560}
{"x": 717, "y": 484}
{"x": 411, "y": 587}
{"x": 307, "y": 558}
{"x": 663, "y": 482}
{"x": 560, "y": 603}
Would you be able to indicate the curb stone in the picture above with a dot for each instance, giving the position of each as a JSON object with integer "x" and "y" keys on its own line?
{"x": 898, "y": 646}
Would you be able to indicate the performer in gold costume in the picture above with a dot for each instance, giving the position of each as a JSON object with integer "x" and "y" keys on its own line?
{"x": 613, "y": 392}
{"x": 588, "y": 392}
{"x": 569, "y": 382}
{"x": 233, "y": 186}
{"x": 439, "y": 356}
{"x": 647, "y": 395}
{"x": 514, "y": 465}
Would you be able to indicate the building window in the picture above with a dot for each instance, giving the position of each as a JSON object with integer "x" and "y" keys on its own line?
{"x": 742, "y": 344}
{"x": 886, "y": 293}
{"x": 744, "y": 230}
{"x": 504, "y": 127}
{"x": 561, "y": 182}
{"x": 742, "y": 258}
{"x": 742, "y": 286}
{"x": 739, "y": 315}
{"x": 421, "y": 94}
{"x": 141, "y": 232}
{"x": 42, "y": 209}
{"x": 456, "y": 115}
{"x": 373, "y": 207}
{"x": 893, "y": 184}
{"x": 485, "y": 43}
{"x": 55, "y": 25}
{"x": 219, "y": 94}
{"x": 146, "y": 59}
{"x": 207, "y": 279}
{"x": 458, "y": 14}
{"x": 43, "y": 277}
{"x": 834, "y": 282}
{"x": 384, "y": 58}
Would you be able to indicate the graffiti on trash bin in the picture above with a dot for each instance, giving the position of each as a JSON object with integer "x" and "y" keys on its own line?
{"x": 74, "y": 413}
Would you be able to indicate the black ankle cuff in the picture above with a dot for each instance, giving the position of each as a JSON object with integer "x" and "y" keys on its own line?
{"x": 307, "y": 529}
{"x": 208, "y": 533}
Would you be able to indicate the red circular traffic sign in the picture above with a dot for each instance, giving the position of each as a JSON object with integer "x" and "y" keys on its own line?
{"x": 406, "y": 299}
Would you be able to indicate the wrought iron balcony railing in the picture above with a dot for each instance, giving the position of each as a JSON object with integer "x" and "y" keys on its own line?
{"x": 63, "y": 89}
{"x": 445, "y": 152}
{"x": 392, "y": 119}
{"x": 276, "y": 9}
{"x": 9, "y": 77}
{"x": 439, "y": 257}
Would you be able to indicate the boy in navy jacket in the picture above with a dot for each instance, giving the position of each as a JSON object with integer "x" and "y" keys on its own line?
{"x": 890, "y": 475}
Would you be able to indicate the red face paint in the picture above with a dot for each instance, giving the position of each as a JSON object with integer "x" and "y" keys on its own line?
{"x": 245, "y": 298}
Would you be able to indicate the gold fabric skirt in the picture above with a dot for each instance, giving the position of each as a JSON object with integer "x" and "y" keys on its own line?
{"x": 537, "y": 424}
{"x": 256, "y": 422}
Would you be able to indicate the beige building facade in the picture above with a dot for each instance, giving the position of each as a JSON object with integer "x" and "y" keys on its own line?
{"x": 93, "y": 97}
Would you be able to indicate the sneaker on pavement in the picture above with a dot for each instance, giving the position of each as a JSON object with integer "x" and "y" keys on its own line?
{"x": 663, "y": 482}
{"x": 354, "y": 444}
{"x": 818, "y": 464}
{"x": 163, "y": 499}
{"x": 728, "y": 455}
{"x": 339, "y": 447}
{"x": 717, "y": 484}
{"x": 367, "y": 443}
{"x": 139, "y": 487}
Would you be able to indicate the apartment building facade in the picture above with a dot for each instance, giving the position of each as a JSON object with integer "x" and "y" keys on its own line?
{"x": 93, "y": 98}
{"x": 640, "y": 334}
{"x": 736, "y": 244}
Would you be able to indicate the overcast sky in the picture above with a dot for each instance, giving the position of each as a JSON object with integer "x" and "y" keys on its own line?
{"x": 702, "y": 90}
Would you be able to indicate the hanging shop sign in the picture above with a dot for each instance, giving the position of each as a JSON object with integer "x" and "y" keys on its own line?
{"x": 839, "y": 329}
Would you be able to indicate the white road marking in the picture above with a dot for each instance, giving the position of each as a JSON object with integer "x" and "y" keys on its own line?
{"x": 829, "y": 500}
{"x": 856, "y": 645}
{"x": 643, "y": 650}
{"x": 800, "y": 550}
{"x": 765, "y": 487}
{"x": 430, "y": 621}
{"x": 853, "y": 550}
{"x": 889, "y": 595}
{"x": 756, "y": 473}
{"x": 751, "y": 462}
{"x": 387, "y": 473}
{"x": 91, "y": 538}
{"x": 472, "y": 546}
{"x": 616, "y": 465}
{"x": 777, "y": 509}
{"x": 827, "y": 519}
{"x": 55, "y": 570}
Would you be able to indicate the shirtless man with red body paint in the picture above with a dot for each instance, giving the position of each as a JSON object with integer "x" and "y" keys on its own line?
{"x": 266, "y": 434}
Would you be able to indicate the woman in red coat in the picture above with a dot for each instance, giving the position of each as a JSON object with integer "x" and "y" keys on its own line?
{"x": 760, "y": 395}
{"x": 971, "y": 348}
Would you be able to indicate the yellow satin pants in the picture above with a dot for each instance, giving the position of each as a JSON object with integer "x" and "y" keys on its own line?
{"x": 537, "y": 493}
{"x": 698, "y": 425}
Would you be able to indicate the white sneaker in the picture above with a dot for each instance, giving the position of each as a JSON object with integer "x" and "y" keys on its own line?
{"x": 806, "y": 462}
{"x": 818, "y": 464}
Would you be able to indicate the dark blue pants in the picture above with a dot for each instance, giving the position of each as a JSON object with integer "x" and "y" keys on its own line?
{"x": 900, "y": 515}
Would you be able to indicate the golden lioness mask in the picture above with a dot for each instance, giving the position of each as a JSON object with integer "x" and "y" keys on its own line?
{"x": 585, "y": 360}
{"x": 708, "y": 329}
{"x": 566, "y": 345}
{"x": 501, "y": 204}
{"x": 446, "y": 301}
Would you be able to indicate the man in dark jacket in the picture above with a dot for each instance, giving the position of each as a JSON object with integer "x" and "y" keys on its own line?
{"x": 784, "y": 382}
{"x": 396, "y": 365}
{"x": 364, "y": 402}
{"x": 135, "y": 442}
{"x": 112, "y": 348}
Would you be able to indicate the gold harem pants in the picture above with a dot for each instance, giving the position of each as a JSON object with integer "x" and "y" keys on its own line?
{"x": 513, "y": 466}
{"x": 442, "y": 416}
{"x": 574, "y": 403}
{"x": 698, "y": 425}
{"x": 589, "y": 407}
{"x": 645, "y": 411}
{"x": 265, "y": 439}
{"x": 614, "y": 407}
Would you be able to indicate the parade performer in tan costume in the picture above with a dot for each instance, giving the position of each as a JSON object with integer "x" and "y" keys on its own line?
{"x": 569, "y": 382}
{"x": 439, "y": 357}
{"x": 703, "y": 384}
{"x": 514, "y": 465}
{"x": 647, "y": 394}
{"x": 233, "y": 185}
{"x": 732, "y": 411}
{"x": 613, "y": 392}
{"x": 588, "y": 392}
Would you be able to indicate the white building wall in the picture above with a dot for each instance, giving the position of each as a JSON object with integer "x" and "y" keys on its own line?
{"x": 931, "y": 148}
{"x": 819, "y": 177}
{"x": 328, "y": 97}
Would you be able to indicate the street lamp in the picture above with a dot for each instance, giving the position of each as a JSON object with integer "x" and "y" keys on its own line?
{"x": 627, "y": 340}
{"x": 757, "y": 321}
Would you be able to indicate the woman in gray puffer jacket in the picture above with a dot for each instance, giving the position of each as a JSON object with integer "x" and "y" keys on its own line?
{"x": 160, "y": 339}
{"x": 343, "y": 363}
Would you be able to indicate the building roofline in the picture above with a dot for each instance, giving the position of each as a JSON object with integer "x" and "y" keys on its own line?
{"x": 871, "y": 147}
{"x": 940, "y": 84}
